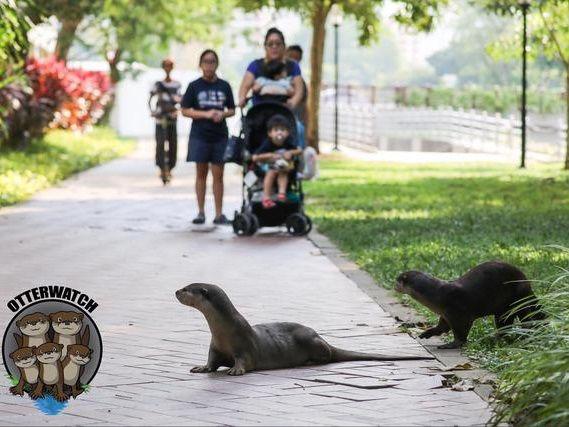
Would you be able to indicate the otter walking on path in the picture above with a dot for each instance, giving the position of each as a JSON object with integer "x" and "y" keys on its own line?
{"x": 243, "y": 348}
{"x": 491, "y": 288}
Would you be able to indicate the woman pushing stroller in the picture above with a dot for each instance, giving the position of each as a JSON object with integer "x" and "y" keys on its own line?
{"x": 270, "y": 132}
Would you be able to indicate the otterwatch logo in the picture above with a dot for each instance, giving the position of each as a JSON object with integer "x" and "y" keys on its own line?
{"x": 52, "y": 348}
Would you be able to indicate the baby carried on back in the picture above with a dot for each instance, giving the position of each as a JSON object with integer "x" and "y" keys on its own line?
{"x": 274, "y": 84}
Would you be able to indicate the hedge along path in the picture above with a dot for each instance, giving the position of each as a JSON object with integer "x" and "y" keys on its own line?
{"x": 55, "y": 157}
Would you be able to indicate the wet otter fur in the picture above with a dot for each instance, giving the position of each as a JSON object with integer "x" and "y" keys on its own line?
{"x": 243, "y": 348}
{"x": 491, "y": 288}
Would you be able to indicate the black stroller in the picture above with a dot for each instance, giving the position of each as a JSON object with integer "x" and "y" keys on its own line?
{"x": 253, "y": 215}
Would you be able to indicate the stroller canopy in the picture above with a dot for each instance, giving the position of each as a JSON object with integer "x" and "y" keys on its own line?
{"x": 255, "y": 122}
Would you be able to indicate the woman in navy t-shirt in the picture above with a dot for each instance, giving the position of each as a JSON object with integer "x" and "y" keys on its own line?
{"x": 208, "y": 101}
{"x": 275, "y": 49}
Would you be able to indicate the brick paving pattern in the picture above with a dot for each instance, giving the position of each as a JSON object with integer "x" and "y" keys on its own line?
{"x": 116, "y": 234}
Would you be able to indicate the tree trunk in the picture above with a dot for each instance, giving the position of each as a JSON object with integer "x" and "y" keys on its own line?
{"x": 65, "y": 37}
{"x": 316, "y": 57}
{"x": 113, "y": 59}
{"x": 567, "y": 117}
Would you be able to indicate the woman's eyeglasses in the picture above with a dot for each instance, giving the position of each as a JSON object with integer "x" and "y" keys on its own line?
{"x": 274, "y": 44}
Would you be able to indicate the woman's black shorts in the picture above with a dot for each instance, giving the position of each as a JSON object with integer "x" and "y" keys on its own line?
{"x": 201, "y": 150}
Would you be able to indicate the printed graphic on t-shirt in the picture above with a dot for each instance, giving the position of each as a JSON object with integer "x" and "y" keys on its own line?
{"x": 211, "y": 99}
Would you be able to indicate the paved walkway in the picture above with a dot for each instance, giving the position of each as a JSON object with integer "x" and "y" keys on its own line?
{"x": 115, "y": 233}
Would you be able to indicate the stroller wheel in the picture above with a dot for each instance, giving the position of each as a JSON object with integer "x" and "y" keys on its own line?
{"x": 309, "y": 224}
{"x": 297, "y": 224}
{"x": 254, "y": 224}
{"x": 241, "y": 224}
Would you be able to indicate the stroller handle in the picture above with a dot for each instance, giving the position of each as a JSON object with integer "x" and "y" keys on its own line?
{"x": 247, "y": 99}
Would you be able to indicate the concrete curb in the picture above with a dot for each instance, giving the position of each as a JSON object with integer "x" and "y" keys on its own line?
{"x": 391, "y": 305}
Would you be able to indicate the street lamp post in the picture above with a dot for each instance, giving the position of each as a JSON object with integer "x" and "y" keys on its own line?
{"x": 525, "y": 6}
{"x": 336, "y": 21}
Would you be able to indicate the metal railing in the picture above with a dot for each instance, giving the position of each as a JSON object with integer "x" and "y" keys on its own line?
{"x": 366, "y": 123}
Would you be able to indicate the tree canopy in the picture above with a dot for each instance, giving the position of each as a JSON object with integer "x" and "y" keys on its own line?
{"x": 14, "y": 44}
{"x": 128, "y": 30}
{"x": 418, "y": 14}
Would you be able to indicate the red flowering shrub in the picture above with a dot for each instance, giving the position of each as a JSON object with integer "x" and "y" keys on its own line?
{"x": 79, "y": 96}
{"x": 23, "y": 116}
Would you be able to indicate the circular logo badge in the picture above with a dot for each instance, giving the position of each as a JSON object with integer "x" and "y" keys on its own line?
{"x": 52, "y": 350}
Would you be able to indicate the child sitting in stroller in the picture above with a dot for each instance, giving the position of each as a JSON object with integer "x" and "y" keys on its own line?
{"x": 275, "y": 156}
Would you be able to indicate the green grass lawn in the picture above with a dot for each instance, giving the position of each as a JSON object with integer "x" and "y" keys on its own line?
{"x": 58, "y": 155}
{"x": 445, "y": 219}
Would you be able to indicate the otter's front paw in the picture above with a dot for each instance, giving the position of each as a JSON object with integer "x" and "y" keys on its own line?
{"x": 35, "y": 395}
{"x": 200, "y": 369}
{"x": 236, "y": 371}
{"x": 427, "y": 334}
{"x": 61, "y": 397}
{"x": 17, "y": 391}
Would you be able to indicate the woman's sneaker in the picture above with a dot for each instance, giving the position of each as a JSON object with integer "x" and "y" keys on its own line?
{"x": 200, "y": 219}
{"x": 221, "y": 220}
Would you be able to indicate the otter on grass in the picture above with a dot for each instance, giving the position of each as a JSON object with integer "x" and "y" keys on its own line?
{"x": 243, "y": 348}
{"x": 491, "y": 288}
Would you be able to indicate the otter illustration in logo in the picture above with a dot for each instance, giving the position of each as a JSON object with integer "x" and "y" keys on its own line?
{"x": 34, "y": 328}
{"x": 78, "y": 355}
{"x": 67, "y": 326}
{"x": 26, "y": 361}
{"x": 50, "y": 370}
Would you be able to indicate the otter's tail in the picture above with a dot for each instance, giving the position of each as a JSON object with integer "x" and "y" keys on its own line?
{"x": 340, "y": 355}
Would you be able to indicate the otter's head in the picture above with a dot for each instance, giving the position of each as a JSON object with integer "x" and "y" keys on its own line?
{"x": 48, "y": 352}
{"x": 34, "y": 325}
{"x": 79, "y": 354}
{"x": 413, "y": 282}
{"x": 24, "y": 357}
{"x": 204, "y": 297}
{"x": 66, "y": 322}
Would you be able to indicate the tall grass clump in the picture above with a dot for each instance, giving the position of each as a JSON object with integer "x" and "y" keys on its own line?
{"x": 534, "y": 381}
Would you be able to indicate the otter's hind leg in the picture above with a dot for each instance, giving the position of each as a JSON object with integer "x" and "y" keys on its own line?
{"x": 317, "y": 349}
{"x": 441, "y": 328}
